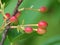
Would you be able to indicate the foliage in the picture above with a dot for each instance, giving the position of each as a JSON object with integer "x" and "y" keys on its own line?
{"x": 32, "y": 17}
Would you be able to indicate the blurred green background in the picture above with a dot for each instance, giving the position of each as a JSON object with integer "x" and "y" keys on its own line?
{"x": 52, "y": 37}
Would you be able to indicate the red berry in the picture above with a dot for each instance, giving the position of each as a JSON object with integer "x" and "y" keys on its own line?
{"x": 17, "y": 14}
{"x": 28, "y": 29}
{"x": 7, "y": 15}
{"x": 41, "y": 31}
{"x": 13, "y": 19}
{"x": 43, "y": 9}
{"x": 42, "y": 24}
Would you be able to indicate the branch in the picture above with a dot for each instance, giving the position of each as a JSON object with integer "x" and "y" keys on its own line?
{"x": 8, "y": 26}
{"x": 16, "y": 8}
{"x": 4, "y": 35}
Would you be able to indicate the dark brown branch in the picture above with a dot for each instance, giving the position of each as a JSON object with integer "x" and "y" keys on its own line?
{"x": 16, "y": 8}
{"x": 4, "y": 35}
{"x": 8, "y": 26}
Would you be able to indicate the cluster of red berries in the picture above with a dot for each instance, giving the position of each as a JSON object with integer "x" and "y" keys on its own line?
{"x": 42, "y": 25}
{"x": 13, "y": 18}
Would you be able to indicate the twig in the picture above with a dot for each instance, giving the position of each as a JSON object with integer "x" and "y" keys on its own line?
{"x": 16, "y": 9}
{"x": 8, "y": 26}
{"x": 4, "y": 35}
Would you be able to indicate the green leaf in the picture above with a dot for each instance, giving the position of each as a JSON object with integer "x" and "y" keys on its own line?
{"x": 52, "y": 37}
{"x": 32, "y": 17}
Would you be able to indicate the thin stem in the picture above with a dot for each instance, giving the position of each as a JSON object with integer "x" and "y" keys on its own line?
{"x": 35, "y": 29}
{"x": 30, "y": 25}
{"x": 2, "y": 9}
{"x": 24, "y": 25}
{"x": 31, "y": 9}
{"x": 28, "y": 9}
{"x": 7, "y": 24}
{"x": 4, "y": 14}
{"x": 21, "y": 27}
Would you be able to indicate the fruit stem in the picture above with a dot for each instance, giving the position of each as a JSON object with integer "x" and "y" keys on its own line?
{"x": 7, "y": 24}
{"x": 16, "y": 27}
{"x": 4, "y": 14}
{"x": 4, "y": 25}
{"x": 30, "y": 25}
{"x": 28, "y": 9}
{"x": 2, "y": 9}
{"x": 31, "y": 9}
{"x": 35, "y": 29}
{"x": 13, "y": 26}
{"x": 24, "y": 25}
{"x": 21, "y": 27}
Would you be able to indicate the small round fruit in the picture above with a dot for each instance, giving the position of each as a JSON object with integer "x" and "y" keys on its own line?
{"x": 42, "y": 24}
{"x": 43, "y": 9}
{"x": 13, "y": 19}
{"x": 28, "y": 30}
{"x": 41, "y": 31}
{"x": 7, "y": 15}
{"x": 17, "y": 14}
